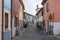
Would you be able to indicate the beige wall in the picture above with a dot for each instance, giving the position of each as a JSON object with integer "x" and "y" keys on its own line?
{"x": 0, "y": 19}
{"x": 21, "y": 16}
{"x": 21, "y": 12}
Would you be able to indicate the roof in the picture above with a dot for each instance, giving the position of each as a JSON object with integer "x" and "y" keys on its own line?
{"x": 22, "y": 3}
{"x": 43, "y": 2}
{"x": 39, "y": 10}
{"x": 28, "y": 14}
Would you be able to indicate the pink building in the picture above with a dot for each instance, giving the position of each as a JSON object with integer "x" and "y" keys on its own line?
{"x": 0, "y": 19}
{"x": 51, "y": 10}
{"x": 17, "y": 16}
{"x": 15, "y": 8}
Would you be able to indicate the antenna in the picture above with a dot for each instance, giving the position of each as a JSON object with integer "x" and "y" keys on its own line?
{"x": 36, "y": 5}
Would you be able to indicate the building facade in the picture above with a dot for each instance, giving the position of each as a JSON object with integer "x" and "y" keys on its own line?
{"x": 7, "y": 20}
{"x": 28, "y": 18}
{"x": 40, "y": 18}
{"x": 35, "y": 19}
{"x": 21, "y": 19}
{"x": 0, "y": 19}
{"x": 51, "y": 16}
{"x": 15, "y": 16}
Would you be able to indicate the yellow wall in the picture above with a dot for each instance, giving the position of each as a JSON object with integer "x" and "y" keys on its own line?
{"x": 21, "y": 16}
{"x": 21, "y": 12}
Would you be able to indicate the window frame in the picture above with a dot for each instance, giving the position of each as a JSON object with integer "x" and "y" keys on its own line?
{"x": 6, "y": 23}
{"x": 47, "y": 7}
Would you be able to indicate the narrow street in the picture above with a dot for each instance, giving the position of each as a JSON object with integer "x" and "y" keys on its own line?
{"x": 31, "y": 33}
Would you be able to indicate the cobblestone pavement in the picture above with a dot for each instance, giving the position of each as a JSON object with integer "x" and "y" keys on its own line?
{"x": 31, "y": 33}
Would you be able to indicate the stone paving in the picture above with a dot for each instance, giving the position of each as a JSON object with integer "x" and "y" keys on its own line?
{"x": 31, "y": 33}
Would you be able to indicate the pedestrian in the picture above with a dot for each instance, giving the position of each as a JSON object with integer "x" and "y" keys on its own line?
{"x": 25, "y": 25}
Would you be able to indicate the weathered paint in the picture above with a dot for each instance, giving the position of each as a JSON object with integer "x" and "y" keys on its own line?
{"x": 54, "y": 8}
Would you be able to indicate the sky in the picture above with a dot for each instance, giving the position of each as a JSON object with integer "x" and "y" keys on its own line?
{"x": 31, "y": 5}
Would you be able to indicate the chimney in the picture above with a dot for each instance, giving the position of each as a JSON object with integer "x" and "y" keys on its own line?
{"x": 37, "y": 6}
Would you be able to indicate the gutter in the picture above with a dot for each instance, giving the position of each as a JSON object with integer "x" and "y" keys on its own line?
{"x": 2, "y": 16}
{"x": 43, "y": 2}
{"x": 11, "y": 19}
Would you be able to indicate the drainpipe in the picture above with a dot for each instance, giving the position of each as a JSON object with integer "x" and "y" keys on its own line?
{"x": 53, "y": 20}
{"x": 2, "y": 16}
{"x": 11, "y": 19}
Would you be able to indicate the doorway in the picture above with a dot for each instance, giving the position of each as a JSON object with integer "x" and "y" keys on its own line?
{"x": 13, "y": 28}
{"x": 49, "y": 27}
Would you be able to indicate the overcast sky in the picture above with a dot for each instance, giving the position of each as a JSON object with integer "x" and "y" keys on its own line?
{"x": 30, "y": 6}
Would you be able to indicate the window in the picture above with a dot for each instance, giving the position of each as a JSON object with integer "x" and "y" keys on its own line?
{"x": 6, "y": 20}
{"x": 16, "y": 21}
{"x": 47, "y": 7}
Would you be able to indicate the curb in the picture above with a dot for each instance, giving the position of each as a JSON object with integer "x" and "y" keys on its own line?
{"x": 55, "y": 36}
{"x": 58, "y": 37}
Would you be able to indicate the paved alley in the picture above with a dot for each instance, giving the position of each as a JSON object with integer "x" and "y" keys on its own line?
{"x": 31, "y": 33}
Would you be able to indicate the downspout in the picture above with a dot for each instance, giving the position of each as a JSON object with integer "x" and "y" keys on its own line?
{"x": 11, "y": 19}
{"x": 2, "y": 16}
